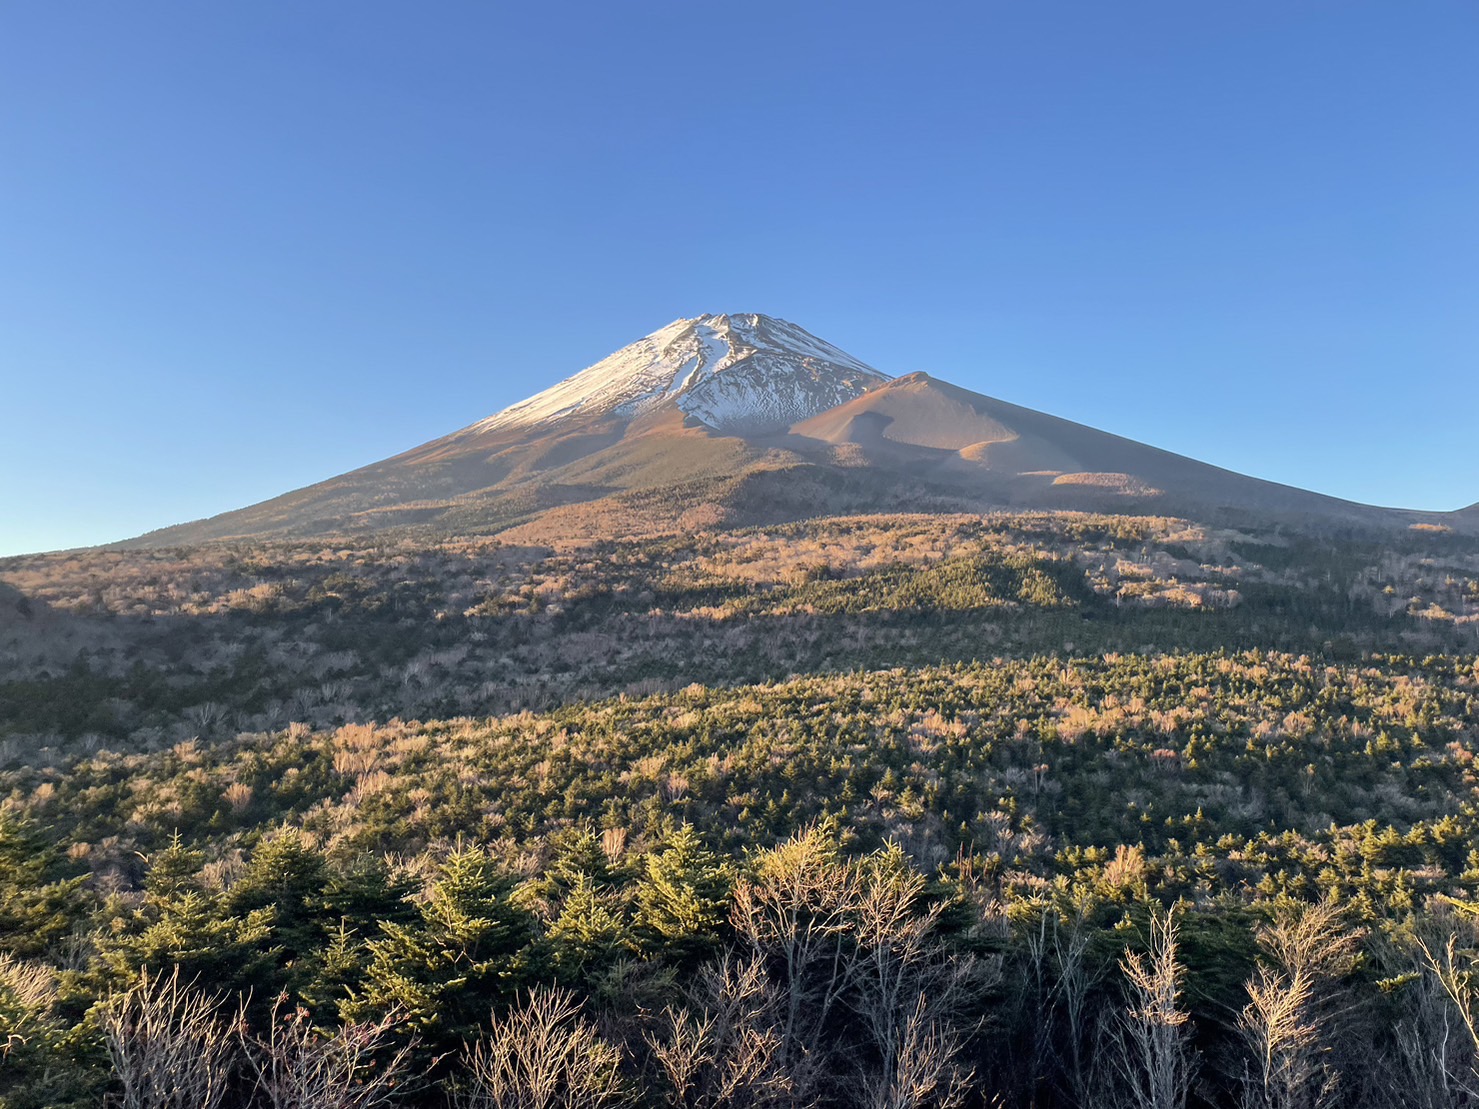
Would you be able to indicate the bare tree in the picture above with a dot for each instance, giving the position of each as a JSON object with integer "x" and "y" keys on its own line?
{"x": 794, "y": 914}
{"x": 906, "y": 990}
{"x": 297, "y": 1066}
{"x": 1435, "y": 1052}
{"x": 544, "y": 1054}
{"x": 1156, "y": 1060}
{"x": 722, "y": 1051}
{"x": 169, "y": 1045}
{"x": 926, "y": 1069}
{"x": 1276, "y": 1024}
{"x": 1060, "y": 987}
{"x": 1457, "y": 982}
{"x": 1291, "y": 1006}
{"x": 1073, "y": 987}
{"x": 1438, "y": 1040}
{"x": 857, "y": 938}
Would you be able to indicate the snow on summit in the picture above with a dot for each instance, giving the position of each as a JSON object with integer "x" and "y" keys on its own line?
{"x": 736, "y": 373}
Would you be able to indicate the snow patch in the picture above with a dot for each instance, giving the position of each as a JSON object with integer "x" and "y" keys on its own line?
{"x": 733, "y": 373}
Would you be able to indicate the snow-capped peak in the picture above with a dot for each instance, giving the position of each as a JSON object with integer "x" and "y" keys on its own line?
{"x": 732, "y": 372}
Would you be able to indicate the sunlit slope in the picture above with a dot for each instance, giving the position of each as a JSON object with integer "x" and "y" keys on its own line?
{"x": 735, "y": 420}
{"x": 1017, "y": 456}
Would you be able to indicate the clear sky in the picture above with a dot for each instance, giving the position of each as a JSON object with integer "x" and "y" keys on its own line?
{"x": 246, "y": 246}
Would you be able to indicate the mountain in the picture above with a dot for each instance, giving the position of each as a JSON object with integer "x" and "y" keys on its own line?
{"x": 750, "y": 419}
{"x": 733, "y": 374}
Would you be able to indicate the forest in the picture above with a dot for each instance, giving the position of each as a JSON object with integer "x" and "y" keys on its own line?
{"x": 140, "y": 648}
{"x": 891, "y": 812}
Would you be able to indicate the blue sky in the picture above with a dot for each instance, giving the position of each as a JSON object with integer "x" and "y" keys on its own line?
{"x": 245, "y": 247}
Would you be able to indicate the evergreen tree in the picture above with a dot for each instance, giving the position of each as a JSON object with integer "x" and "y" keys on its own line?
{"x": 39, "y": 902}
{"x": 175, "y": 870}
{"x": 363, "y": 893}
{"x": 578, "y": 855}
{"x": 590, "y": 934}
{"x": 180, "y": 923}
{"x": 467, "y": 952}
{"x": 44, "y": 1061}
{"x": 286, "y": 877}
{"x": 195, "y": 932}
{"x": 338, "y": 972}
{"x": 683, "y": 898}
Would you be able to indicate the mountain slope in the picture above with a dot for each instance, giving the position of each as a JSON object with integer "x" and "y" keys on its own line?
{"x": 1022, "y": 456}
{"x": 681, "y": 404}
{"x": 748, "y": 419}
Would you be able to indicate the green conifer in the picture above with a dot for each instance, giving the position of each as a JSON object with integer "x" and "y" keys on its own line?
{"x": 683, "y": 898}
{"x": 39, "y": 902}
{"x": 466, "y": 952}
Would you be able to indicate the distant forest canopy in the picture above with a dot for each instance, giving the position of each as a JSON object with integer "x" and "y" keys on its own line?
{"x": 899, "y": 812}
{"x": 139, "y": 649}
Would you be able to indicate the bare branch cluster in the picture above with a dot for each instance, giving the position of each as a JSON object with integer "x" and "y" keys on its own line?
{"x": 172, "y": 1046}
{"x": 355, "y": 1066}
{"x": 1156, "y": 1060}
{"x": 543, "y": 1054}
{"x": 1292, "y": 1004}
{"x": 722, "y": 1051}
{"x": 858, "y": 937}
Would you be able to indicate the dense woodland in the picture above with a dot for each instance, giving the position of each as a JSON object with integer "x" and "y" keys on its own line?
{"x": 892, "y": 812}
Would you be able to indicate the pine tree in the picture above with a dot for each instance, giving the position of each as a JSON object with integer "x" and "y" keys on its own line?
{"x": 590, "y": 934}
{"x": 287, "y": 875}
{"x": 175, "y": 870}
{"x": 39, "y": 903}
{"x": 577, "y": 855}
{"x": 683, "y": 898}
{"x": 338, "y": 971}
{"x": 197, "y": 933}
{"x": 45, "y": 1062}
{"x": 362, "y": 893}
{"x": 467, "y": 952}
{"x": 180, "y": 923}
